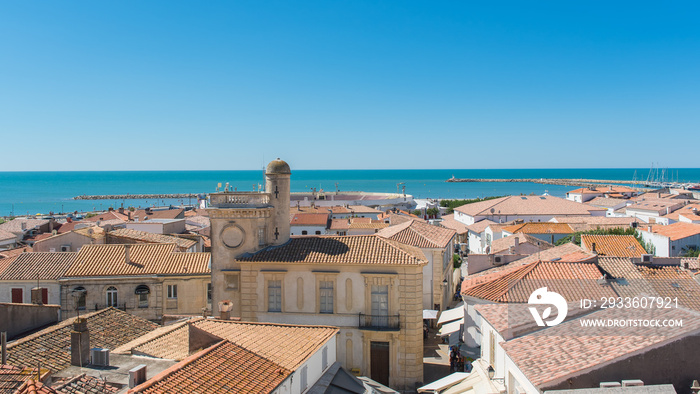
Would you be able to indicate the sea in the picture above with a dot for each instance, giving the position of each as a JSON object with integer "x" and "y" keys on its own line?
{"x": 31, "y": 193}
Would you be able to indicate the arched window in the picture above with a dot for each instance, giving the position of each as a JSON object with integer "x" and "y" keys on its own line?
{"x": 112, "y": 296}
{"x": 142, "y": 292}
{"x": 79, "y": 294}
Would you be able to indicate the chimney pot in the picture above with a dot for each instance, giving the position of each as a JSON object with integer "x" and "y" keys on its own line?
{"x": 80, "y": 343}
{"x": 517, "y": 241}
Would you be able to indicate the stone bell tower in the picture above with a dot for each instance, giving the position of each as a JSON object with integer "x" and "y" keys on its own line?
{"x": 277, "y": 186}
{"x": 245, "y": 222}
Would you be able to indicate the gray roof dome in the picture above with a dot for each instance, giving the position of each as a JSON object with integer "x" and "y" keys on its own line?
{"x": 278, "y": 166}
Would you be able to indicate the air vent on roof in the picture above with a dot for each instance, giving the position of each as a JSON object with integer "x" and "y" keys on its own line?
{"x": 632, "y": 383}
{"x": 137, "y": 375}
{"x": 646, "y": 258}
{"x": 675, "y": 285}
{"x": 523, "y": 198}
{"x": 99, "y": 357}
{"x": 607, "y": 385}
{"x": 543, "y": 198}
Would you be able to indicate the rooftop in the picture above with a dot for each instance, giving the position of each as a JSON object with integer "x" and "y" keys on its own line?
{"x": 349, "y": 249}
{"x": 145, "y": 236}
{"x": 606, "y": 202}
{"x": 676, "y": 231}
{"x": 613, "y": 245}
{"x": 540, "y": 357}
{"x": 12, "y": 378}
{"x": 419, "y": 234}
{"x": 539, "y": 228}
{"x": 15, "y": 225}
{"x": 109, "y": 328}
{"x": 142, "y": 214}
{"x": 450, "y": 222}
{"x": 42, "y": 266}
{"x": 526, "y": 205}
{"x": 310, "y": 219}
{"x": 144, "y": 259}
{"x": 503, "y": 244}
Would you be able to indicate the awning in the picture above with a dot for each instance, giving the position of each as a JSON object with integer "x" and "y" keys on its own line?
{"x": 452, "y": 314}
{"x": 429, "y": 314}
{"x": 449, "y": 328}
{"x": 444, "y": 383}
{"x": 142, "y": 289}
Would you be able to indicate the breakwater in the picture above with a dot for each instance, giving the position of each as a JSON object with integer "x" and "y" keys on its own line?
{"x": 555, "y": 181}
{"x": 136, "y": 196}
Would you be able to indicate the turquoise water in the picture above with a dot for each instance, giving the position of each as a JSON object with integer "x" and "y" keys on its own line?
{"x": 41, "y": 192}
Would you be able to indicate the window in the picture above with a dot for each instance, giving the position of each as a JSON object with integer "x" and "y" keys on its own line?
{"x": 79, "y": 296}
{"x": 318, "y": 232}
{"x": 208, "y": 293}
{"x": 112, "y": 296}
{"x": 492, "y": 348}
{"x": 274, "y": 296}
{"x": 326, "y": 293}
{"x": 17, "y": 296}
{"x": 324, "y": 357}
{"x": 380, "y": 305}
{"x": 304, "y": 232}
{"x": 261, "y": 236}
{"x": 304, "y": 380}
{"x": 231, "y": 281}
{"x": 142, "y": 292}
{"x": 172, "y": 291}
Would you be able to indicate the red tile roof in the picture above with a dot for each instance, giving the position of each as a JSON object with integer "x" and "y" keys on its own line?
{"x": 109, "y": 328}
{"x": 503, "y": 244}
{"x": 543, "y": 362}
{"x": 419, "y": 234}
{"x": 527, "y": 206}
{"x": 613, "y": 245}
{"x": 177, "y": 213}
{"x": 109, "y": 215}
{"x": 310, "y": 219}
{"x": 12, "y": 377}
{"x": 144, "y": 259}
{"x": 678, "y": 230}
{"x": 349, "y": 249}
{"x": 144, "y": 236}
{"x": 222, "y": 368}
{"x": 539, "y": 228}
{"x": 43, "y": 266}
{"x": 574, "y": 281}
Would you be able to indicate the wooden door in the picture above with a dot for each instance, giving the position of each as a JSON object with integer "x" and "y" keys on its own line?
{"x": 17, "y": 296}
{"x": 44, "y": 295}
{"x": 379, "y": 362}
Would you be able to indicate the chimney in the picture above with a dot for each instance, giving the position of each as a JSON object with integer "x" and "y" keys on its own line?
{"x": 517, "y": 241}
{"x": 110, "y": 209}
{"x": 127, "y": 258}
{"x": 593, "y": 248}
{"x": 121, "y": 210}
{"x": 36, "y": 296}
{"x": 23, "y": 226}
{"x": 69, "y": 219}
{"x": 3, "y": 344}
{"x": 225, "y": 309}
{"x": 129, "y": 215}
{"x": 80, "y": 343}
{"x": 51, "y": 225}
{"x": 137, "y": 375}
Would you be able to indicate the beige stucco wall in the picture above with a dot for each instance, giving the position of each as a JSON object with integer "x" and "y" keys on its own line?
{"x": 75, "y": 240}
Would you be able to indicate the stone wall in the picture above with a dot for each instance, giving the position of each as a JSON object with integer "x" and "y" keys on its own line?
{"x": 16, "y": 319}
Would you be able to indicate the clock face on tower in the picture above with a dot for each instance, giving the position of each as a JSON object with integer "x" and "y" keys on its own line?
{"x": 232, "y": 235}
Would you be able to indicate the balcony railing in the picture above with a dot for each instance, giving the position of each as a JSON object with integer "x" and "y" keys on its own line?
{"x": 379, "y": 322}
{"x": 239, "y": 200}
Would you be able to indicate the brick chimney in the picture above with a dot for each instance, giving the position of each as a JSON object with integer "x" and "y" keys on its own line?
{"x": 80, "y": 343}
{"x": 225, "y": 309}
{"x": 517, "y": 241}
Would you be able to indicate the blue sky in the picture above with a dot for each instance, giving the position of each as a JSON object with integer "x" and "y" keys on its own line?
{"x": 130, "y": 85}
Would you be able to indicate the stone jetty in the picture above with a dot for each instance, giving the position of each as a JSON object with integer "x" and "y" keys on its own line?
{"x": 136, "y": 196}
{"x": 555, "y": 181}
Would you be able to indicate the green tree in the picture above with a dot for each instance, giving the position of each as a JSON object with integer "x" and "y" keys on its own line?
{"x": 432, "y": 211}
{"x": 690, "y": 251}
{"x": 576, "y": 237}
{"x": 417, "y": 212}
{"x": 456, "y": 260}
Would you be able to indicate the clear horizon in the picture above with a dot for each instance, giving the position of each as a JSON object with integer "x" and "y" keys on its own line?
{"x": 192, "y": 86}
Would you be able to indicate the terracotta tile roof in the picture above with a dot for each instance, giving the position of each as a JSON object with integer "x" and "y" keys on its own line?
{"x": 144, "y": 236}
{"x": 43, "y": 266}
{"x": 676, "y": 231}
{"x": 94, "y": 232}
{"x": 310, "y": 219}
{"x": 480, "y": 226}
{"x": 574, "y": 281}
{"x": 539, "y": 228}
{"x": 604, "y": 190}
{"x": 349, "y": 249}
{"x": 15, "y": 225}
{"x": 177, "y": 213}
{"x": 264, "y": 339}
{"x": 526, "y": 205}
{"x": 340, "y": 224}
{"x": 199, "y": 221}
{"x": 613, "y": 245}
{"x": 145, "y": 259}
{"x": 585, "y": 223}
{"x": 692, "y": 263}
{"x": 396, "y": 218}
{"x": 688, "y": 209}
{"x": 673, "y": 281}
{"x": 419, "y": 234}
{"x": 108, "y": 215}
{"x": 66, "y": 227}
{"x": 33, "y": 386}
{"x": 109, "y": 328}
{"x": 222, "y": 368}
{"x": 12, "y": 377}
{"x": 449, "y": 221}
{"x": 196, "y": 212}
{"x": 39, "y": 237}
{"x": 83, "y": 384}
{"x": 6, "y": 235}
{"x": 7, "y": 253}
{"x": 569, "y": 253}
{"x": 606, "y": 202}
{"x": 503, "y": 244}
{"x": 171, "y": 342}
{"x": 540, "y": 357}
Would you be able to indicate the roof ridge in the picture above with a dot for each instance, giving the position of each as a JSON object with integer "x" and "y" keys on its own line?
{"x": 393, "y": 243}
{"x": 266, "y": 323}
{"x": 54, "y": 328}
